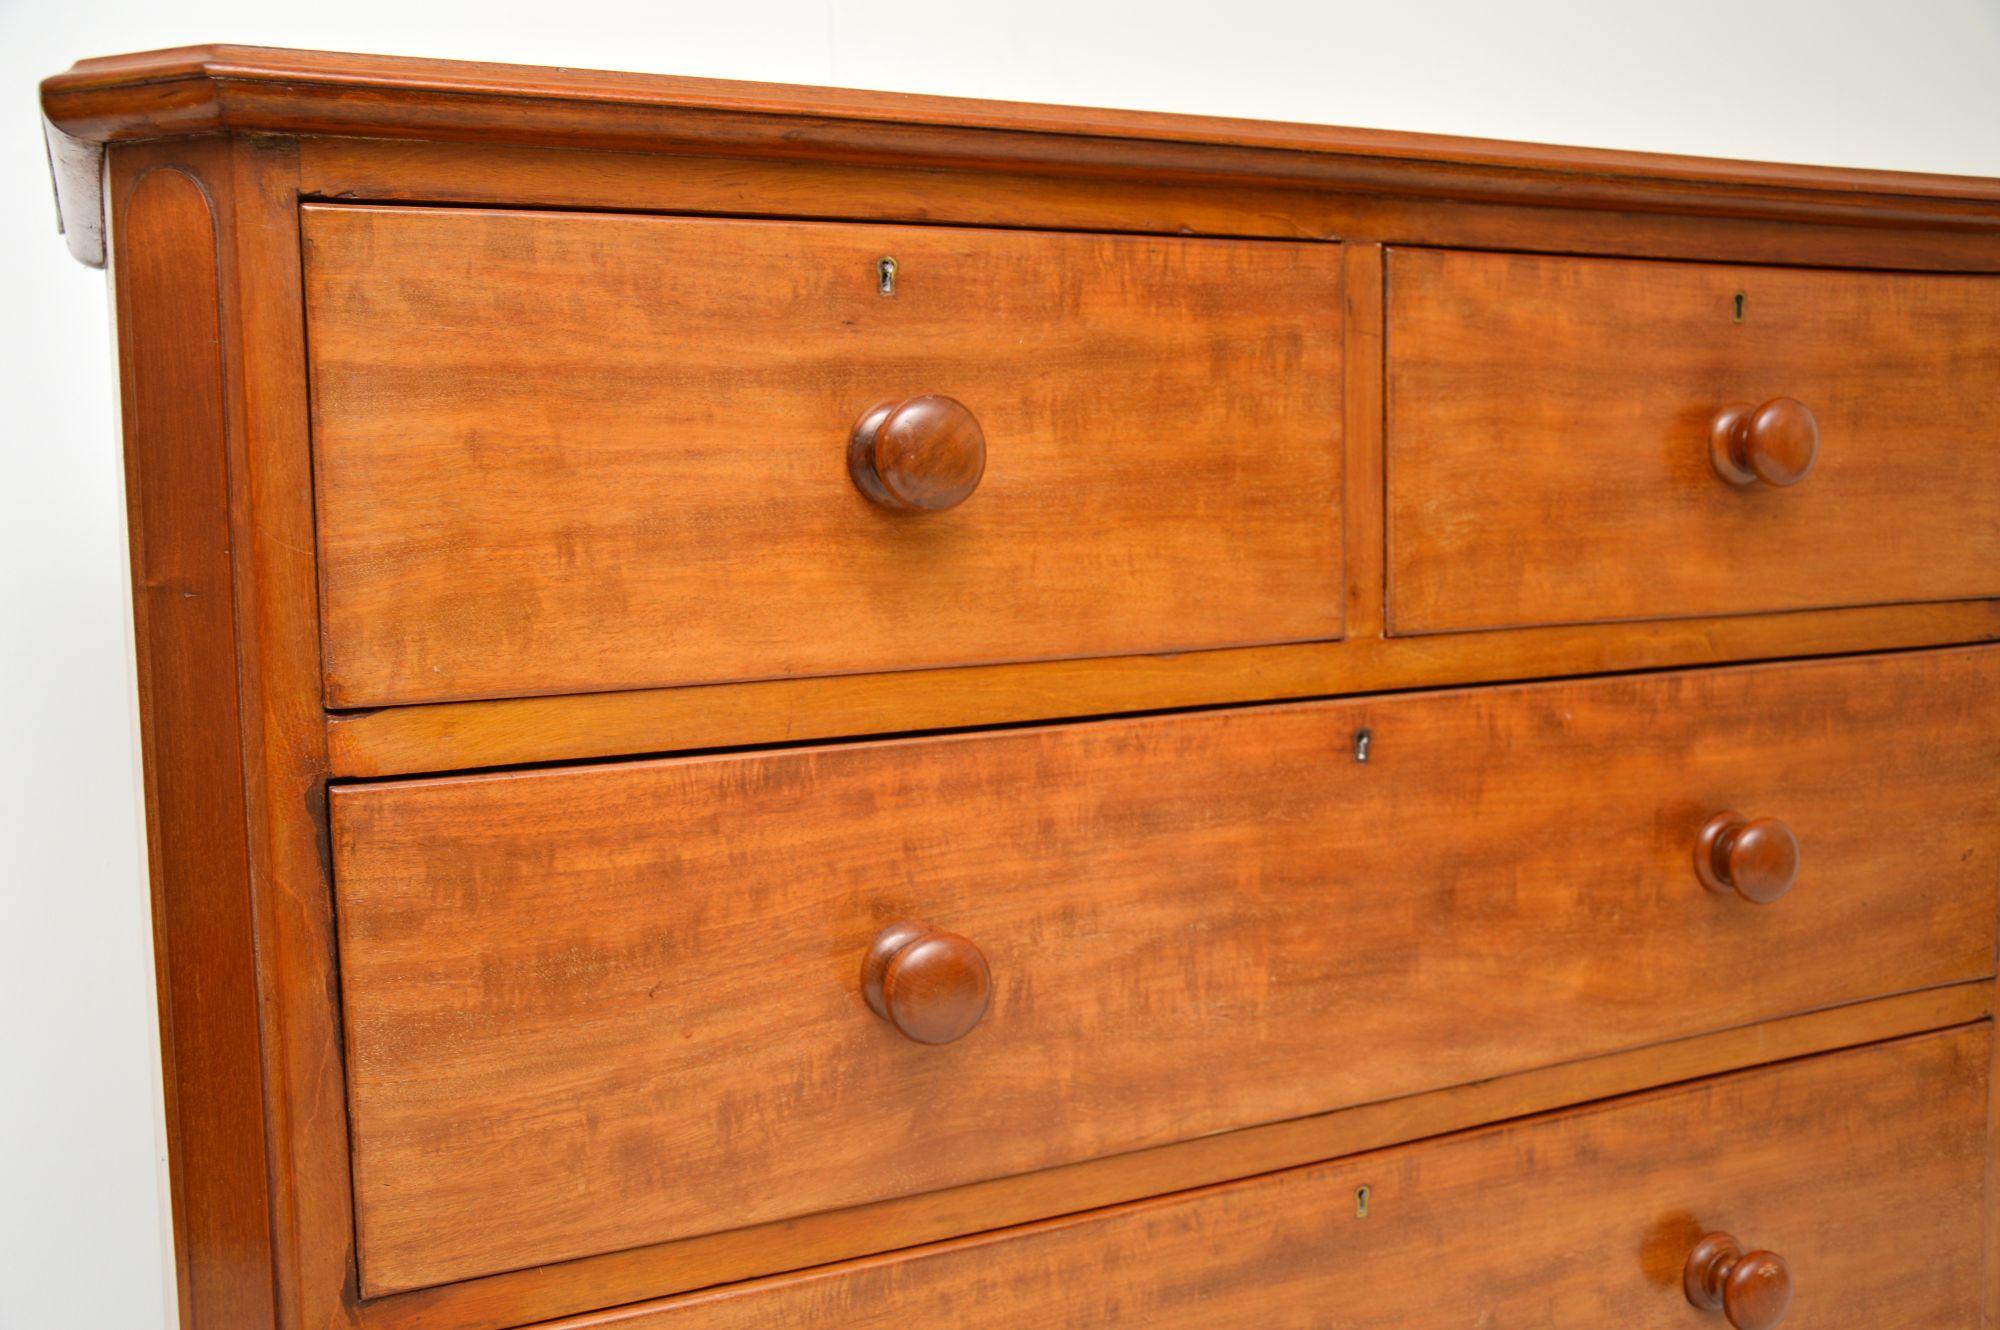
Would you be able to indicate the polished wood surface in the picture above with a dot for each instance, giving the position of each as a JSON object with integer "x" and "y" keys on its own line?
{"x": 1776, "y": 443}
{"x": 483, "y": 917}
{"x": 560, "y": 452}
{"x": 122, "y": 97}
{"x": 1549, "y": 439}
{"x": 1864, "y": 1175}
{"x": 1163, "y": 1005}
{"x": 1361, "y": 517}
{"x": 919, "y": 454}
{"x": 1757, "y": 859}
{"x": 397, "y": 741}
{"x": 1752, "y": 1289}
{"x": 692, "y": 1263}
{"x": 308, "y": 1189}
{"x": 253, "y": 90}
{"x": 170, "y": 309}
{"x": 257, "y": 1133}
{"x": 498, "y": 174}
{"x": 933, "y": 986}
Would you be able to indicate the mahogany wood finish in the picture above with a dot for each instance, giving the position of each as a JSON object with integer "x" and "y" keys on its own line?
{"x": 561, "y": 452}
{"x": 931, "y": 985}
{"x": 701, "y": 1262}
{"x": 493, "y": 173}
{"x": 240, "y": 89}
{"x": 1758, "y": 860}
{"x": 480, "y": 416}
{"x": 399, "y": 741}
{"x": 1863, "y": 1169}
{"x": 219, "y": 489}
{"x": 921, "y": 453}
{"x": 1776, "y": 443}
{"x": 1753, "y": 1289}
{"x": 170, "y": 344}
{"x": 1550, "y": 439}
{"x": 484, "y": 917}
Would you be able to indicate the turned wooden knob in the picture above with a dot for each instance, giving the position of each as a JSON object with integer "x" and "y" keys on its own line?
{"x": 1775, "y": 443}
{"x": 1759, "y": 860}
{"x": 919, "y": 454}
{"x": 1752, "y": 1289}
{"x": 930, "y": 984}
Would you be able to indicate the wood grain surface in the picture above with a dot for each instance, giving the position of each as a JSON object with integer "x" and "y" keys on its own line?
{"x": 495, "y": 1302}
{"x": 1548, "y": 439}
{"x": 568, "y": 452}
{"x": 607, "y": 1025}
{"x": 531, "y": 961}
{"x": 397, "y": 741}
{"x": 239, "y": 89}
{"x": 219, "y": 486}
{"x": 1865, "y": 1170}
{"x": 170, "y": 297}
{"x": 308, "y": 1188}
{"x": 498, "y": 174}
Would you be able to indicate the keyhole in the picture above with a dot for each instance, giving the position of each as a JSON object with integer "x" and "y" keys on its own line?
{"x": 1741, "y": 301}
{"x": 1361, "y": 1202}
{"x": 885, "y": 273}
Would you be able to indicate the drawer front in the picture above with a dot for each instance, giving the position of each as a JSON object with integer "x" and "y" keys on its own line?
{"x": 1862, "y": 1171}
{"x": 1550, "y": 439}
{"x": 563, "y": 452}
{"x": 592, "y": 1008}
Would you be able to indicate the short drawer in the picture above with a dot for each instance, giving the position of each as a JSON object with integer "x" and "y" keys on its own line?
{"x": 1862, "y": 1173}
{"x": 599, "y": 1007}
{"x": 568, "y": 452}
{"x": 1554, "y": 426}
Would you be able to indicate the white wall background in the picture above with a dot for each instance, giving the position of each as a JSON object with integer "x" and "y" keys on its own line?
{"x": 1913, "y": 85}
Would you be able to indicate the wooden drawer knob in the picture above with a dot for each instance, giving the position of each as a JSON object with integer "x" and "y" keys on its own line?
{"x": 930, "y": 984}
{"x": 1759, "y": 860}
{"x": 920, "y": 454}
{"x": 1775, "y": 443}
{"x": 1752, "y": 1289}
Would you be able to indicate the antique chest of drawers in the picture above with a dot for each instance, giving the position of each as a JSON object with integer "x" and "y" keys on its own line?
{"x": 769, "y": 707}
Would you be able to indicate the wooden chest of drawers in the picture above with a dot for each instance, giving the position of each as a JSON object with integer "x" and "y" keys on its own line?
{"x": 770, "y": 707}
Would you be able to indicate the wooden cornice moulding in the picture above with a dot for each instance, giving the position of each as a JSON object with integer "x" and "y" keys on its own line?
{"x": 241, "y": 89}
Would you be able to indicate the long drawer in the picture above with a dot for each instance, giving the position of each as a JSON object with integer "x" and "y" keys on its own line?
{"x": 1862, "y": 1173}
{"x": 563, "y": 452}
{"x": 1553, "y": 439}
{"x": 592, "y": 1008}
